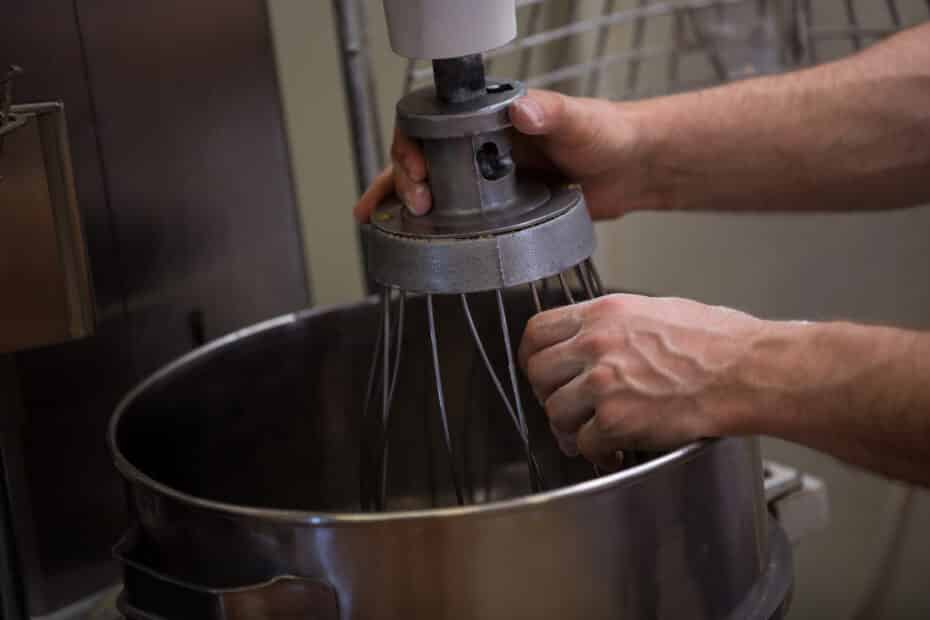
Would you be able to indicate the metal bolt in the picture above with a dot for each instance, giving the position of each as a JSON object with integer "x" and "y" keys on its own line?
{"x": 6, "y": 99}
{"x": 7, "y": 82}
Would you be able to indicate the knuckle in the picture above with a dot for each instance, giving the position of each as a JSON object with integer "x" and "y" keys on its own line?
{"x": 532, "y": 327}
{"x": 529, "y": 343}
{"x": 600, "y": 379}
{"x": 612, "y": 304}
{"x": 534, "y": 369}
{"x": 603, "y": 424}
{"x": 557, "y": 419}
{"x": 594, "y": 343}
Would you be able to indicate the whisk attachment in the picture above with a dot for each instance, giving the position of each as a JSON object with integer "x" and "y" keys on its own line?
{"x": 491, "y": 229}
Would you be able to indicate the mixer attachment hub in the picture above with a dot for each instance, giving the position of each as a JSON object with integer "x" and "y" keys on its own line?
{"x": 490, "y": 227}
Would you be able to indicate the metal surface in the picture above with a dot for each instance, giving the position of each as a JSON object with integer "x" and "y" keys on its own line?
{"x": 44, "y": 275}
{"x": 8, "y": 85}
{"x": 182, "y": 178}
{"x": 422, "y": 115}
{"x": 149, "y": 595}
{"x": 459, "y": 79}
{"x": 475, "y": 185}
{"x": 205, "y": 212}
{"x": 525, "y": 203}
{"x": 262, "y": 482}
{"x": 490, "y": 227}
{"x": 364, "y": 124}
{"x": 453, "y": 266}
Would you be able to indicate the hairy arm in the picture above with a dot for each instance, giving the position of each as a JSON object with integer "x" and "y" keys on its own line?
{"x": 852, "y": 134}
{"x": 628, "y": 372}
{"x": 858, "y": 392}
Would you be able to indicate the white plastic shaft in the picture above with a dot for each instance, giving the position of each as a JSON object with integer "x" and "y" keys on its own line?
{"x": 431, "y": 29}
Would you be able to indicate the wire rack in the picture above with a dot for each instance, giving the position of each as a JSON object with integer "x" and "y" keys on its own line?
{"x": 629, "y": 49}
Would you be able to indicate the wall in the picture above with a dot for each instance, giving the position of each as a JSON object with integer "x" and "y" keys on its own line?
{"x": 873, "y": 267}
{"x": 308, "y": 62}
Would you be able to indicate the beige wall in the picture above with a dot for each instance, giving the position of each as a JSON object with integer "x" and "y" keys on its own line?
{"x": 873, "y": 267}
{"x": 311, "y": 80}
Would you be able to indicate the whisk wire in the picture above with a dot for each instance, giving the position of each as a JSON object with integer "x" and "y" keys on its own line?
{"x": 469, "y": 319}
{"x": 585, "y": 281}
{"x": 365, "y": 460}
{"x": 535, "y": 478}
{"x": 440, "y": 398}
{"x": 385, "y": 382}
{"x": 386, "y": 413}
{"x": 534, "y": 291}
{"x": 595, "y": 278}
{"x": 518, "y": 420}
{"x": 565, "y": 289}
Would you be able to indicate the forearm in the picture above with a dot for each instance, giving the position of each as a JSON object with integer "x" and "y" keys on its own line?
{"x": 854, "y": 134}
{"x": 860, "y": 393}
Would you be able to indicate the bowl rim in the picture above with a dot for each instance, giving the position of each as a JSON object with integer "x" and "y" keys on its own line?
{"x": 135, "y": 476}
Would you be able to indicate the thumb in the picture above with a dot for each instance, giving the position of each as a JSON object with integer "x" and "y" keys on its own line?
{"x": 563, "y": 119}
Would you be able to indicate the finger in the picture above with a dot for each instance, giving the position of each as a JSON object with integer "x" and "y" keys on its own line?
{"x": 568, "y": 442}
{"x": 554, "y": 367}
{"x": 572, "y": 405}
{"x": 567, "y": 120}
{"x": 407, "y": 156}
{"x": 410, "y": 174}
{"x": 381, "y": 188}
{"x": 598, "y": 446}
{"x": 547, "y": 329}
{"x": 532, "y": 113}
{"x": 415, "y": 196}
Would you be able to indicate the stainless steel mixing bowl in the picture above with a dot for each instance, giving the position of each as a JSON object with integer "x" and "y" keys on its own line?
{"x": 243, "y": 471}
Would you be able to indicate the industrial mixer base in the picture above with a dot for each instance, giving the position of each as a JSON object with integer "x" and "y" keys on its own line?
{"x": 242, "y": 466}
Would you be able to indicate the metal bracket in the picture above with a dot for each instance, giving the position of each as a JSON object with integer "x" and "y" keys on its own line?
{"x": 8, "y": 120}
{"x": 7, "y": 82}
{"x": 150, "y": 595}
{"x": 799, "y": 502}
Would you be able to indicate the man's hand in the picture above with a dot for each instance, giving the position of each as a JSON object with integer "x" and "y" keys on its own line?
{"x": 586, "y": 141}
{"x": 628, "y": 372}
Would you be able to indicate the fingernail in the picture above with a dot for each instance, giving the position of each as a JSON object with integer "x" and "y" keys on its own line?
{"x": 532, "y": 111}
{"x": 417, "y": 200}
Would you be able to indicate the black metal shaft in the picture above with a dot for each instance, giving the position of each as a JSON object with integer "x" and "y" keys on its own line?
{"x": 459, "y": 79}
